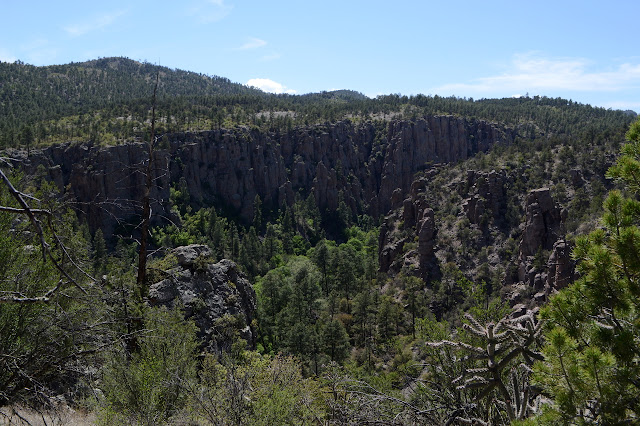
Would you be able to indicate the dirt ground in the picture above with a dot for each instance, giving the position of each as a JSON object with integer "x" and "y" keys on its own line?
{"x": 63, "y": 416}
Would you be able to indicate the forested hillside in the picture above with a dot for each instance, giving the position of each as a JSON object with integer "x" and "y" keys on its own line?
{"x": 316, "y": 259}
{"x": 108, "y": 101}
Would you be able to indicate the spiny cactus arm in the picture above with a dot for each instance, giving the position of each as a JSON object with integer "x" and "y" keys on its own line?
{"x": 482, "y": 333}
{"x": 516, "y": 390}
{"x": 457, "y": 345}
{"x": 529, "y": 325}
{"x": 538, "y": 328}
{"x": 518, "y": 329}
{"x": 474, "y": 349}
{"x": 504, "y": 361}
{"x": 505, "y": 394}
{"x": 525, "y": 407}
{"x": 502, "y": 348}
{"x": 500, "y": 403}
{"x": 474, "y": 323}
{"x": 528, "y": 317}
{"x": 441, "y": 343}
{"x": 533, "y": 354}
{"x": 456, "y": 417}
{"x": 474, "y": 382}
{"x": 527, "y": 358}
{"x": 491, "y": 386}
{"x": 472, "y": 421}
{"x": 503, "y": 321}
{"x": 502, "y": 336}
{"x": 482, "y": 370}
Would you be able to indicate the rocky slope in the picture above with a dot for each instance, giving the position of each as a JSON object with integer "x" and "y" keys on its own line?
{"x": 364, "y": 163}
{"x": 216, "y": 296}
{"x": 475, "y": 222}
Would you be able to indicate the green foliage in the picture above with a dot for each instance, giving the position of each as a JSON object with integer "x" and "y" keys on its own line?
{"x": 42, "y": 342}
{"x": 591, "y": 368}
{"x": 106, "y": 101}
{"x": 148, "y": 387}
{"x": 318, "y": 299}
{"x": 99, "y": 253}
{"x": 306, "y": 307}
{"x": 335, "y": 340}
{"x": 255, "y": 390}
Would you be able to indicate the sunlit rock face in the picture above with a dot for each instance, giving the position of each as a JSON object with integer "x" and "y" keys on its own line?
{"x": 216, "y": 296}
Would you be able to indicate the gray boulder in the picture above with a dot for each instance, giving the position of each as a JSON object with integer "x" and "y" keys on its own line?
{"x": 216, "y": 296}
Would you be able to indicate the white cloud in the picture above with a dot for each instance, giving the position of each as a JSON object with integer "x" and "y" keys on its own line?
{"x": 535, "y": 74}
{"x": 96, "y": 23}
{"x": 270, "y": 86}
{"x": 253, "y": 43}
{"x": 208, "y": 11}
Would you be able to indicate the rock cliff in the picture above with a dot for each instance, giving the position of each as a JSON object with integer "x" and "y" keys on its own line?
{"x": 367, "y": 162}
{"x": 542, "y": 239}
{"x": 414, "y": 221}
{"x": 216, "y": 296}
{"x": 487, "y": 195}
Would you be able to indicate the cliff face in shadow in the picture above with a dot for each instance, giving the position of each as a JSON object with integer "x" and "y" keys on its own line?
{"x": 362, "y": 163}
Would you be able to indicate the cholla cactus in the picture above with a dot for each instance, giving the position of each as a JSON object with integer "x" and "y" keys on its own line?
{"x": 508, "y": 352}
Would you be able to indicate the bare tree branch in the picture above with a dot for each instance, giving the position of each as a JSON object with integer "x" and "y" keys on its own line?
{"x": 46, "y": 248}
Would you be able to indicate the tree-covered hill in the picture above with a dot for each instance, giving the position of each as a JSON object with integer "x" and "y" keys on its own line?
{"x": 108, "y": 101}
{"x": 295, "y": 298}
{"x": 31, "y": 95}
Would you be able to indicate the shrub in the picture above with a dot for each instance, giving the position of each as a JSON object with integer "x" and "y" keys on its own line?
{"x": 255, "y": 390}
{"x": 148, "y": 387}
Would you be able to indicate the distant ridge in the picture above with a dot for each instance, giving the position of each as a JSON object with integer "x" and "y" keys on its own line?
{"x": 107, "y": 100}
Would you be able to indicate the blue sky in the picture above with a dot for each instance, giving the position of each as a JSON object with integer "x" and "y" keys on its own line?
{"x": 587, "y": 51}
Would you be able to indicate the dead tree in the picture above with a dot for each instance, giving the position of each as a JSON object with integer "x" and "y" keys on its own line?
{"x": 146, "y": 199}
{"x": 134, "y": 322}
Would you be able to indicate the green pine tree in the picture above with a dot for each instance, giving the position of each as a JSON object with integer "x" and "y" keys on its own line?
{"x": 592, "y": 366}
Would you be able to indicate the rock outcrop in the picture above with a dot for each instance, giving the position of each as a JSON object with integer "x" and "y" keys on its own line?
{"x": 370, "y": 166}
{"x": 543, "y": 222}
{"x": 413, "y": 145}
{"x": 486, "y": 195}
{"x": 426, "y": 231}
{"x": 390, "y": 244}
{"x": 560, "y": 266}
{"x": 216, "y": 296}
{"x": 417, "y": 218}
{"x": 542, "y": 236}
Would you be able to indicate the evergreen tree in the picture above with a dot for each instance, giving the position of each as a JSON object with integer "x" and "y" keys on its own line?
{"x": 592, "y": 366}
{"x": 321, "y": 257}
{"x": 271, "y": 245}
{"x": 257, "y": 213}
{"x": 27, "y": 137}
{"x": 336, "y": 340}
{"x": 99, "y": 253}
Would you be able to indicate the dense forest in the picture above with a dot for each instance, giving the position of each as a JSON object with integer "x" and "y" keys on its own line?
{"x": 107, "y": 101}
{"x": 501, "y": 287}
